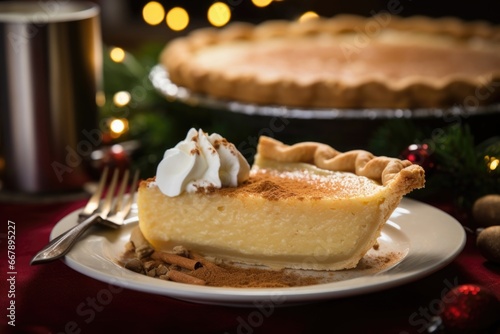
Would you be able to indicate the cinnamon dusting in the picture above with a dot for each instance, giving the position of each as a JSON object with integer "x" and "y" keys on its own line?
{"x": 273, "y": 188}
{"x": 299, "y": 185}
{"x": 270, "y": 190}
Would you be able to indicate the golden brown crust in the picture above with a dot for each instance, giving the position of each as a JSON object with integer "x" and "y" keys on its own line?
{"x": 415, "y": 91}
{"x": 382, "y": 169}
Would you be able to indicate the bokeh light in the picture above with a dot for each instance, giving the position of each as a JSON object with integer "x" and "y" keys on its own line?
{"x": 153, "y": 13}
{"x": 177, "y": 19}
{"x": 118, "y": 125}
{"x": 308, "y": 16}
{"x": 219, "y": 14}
{"x": 492, "y": 162}
{"x": 121, "y": 99}
{"x": 117, "y": 55}
{"x": 100, "y": 98}
{"x": 262, "y": 3}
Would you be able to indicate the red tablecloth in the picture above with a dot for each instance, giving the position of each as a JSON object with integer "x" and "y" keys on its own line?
{"x": 53, "y": 298}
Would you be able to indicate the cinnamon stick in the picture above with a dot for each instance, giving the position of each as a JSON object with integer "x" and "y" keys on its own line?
{"x": 205, "y": 263}
{"x": 181, "y": 261}
{"x": 180, "y": 277}
{"x": 142, "y": 247}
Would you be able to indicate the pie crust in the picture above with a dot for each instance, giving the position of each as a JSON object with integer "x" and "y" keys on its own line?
{"x": 342, "y": 62}
{"x": 402, "y": 175}
{"x": 304, "y": 206}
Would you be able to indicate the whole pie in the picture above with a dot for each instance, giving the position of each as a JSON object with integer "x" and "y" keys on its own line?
{"x": 302, "y": 206}
{"x": 342, "y": 62}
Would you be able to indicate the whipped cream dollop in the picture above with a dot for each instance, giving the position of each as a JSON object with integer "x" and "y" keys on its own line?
{"x": 201, "y": 161}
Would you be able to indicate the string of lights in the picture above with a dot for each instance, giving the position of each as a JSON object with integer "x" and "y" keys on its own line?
{"x": 218, "y": 14}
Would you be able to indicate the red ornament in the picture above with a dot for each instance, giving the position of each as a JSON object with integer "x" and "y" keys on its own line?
{"x": 420, "y": 155}
{"x": 469, "y": 308}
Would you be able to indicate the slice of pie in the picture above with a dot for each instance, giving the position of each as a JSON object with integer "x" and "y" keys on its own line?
{"x": 304, "y": 206}
{"x": 343, "y": 62}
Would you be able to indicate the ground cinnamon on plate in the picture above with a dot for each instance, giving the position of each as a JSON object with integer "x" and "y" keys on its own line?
{"x": 227, "y": 275}
{"x": 211, "y": 274}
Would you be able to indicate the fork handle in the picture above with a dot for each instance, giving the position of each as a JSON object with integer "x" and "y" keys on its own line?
{"x": 60, "y": 246}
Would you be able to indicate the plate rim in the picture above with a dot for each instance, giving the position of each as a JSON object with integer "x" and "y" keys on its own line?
{"x": 244, "y": 297}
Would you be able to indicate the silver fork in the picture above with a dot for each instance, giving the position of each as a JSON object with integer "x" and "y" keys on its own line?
{"x": 111, "y": 212}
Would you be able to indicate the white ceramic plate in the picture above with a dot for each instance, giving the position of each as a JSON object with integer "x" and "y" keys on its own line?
{"x": 428, "y": 238}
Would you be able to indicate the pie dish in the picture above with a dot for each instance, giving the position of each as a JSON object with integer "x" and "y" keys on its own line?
{"x": 303, "y": 206}
{"x": 342, "y": 62}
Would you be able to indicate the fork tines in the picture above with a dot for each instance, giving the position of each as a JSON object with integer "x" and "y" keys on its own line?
{"x": 116, "y": 204}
